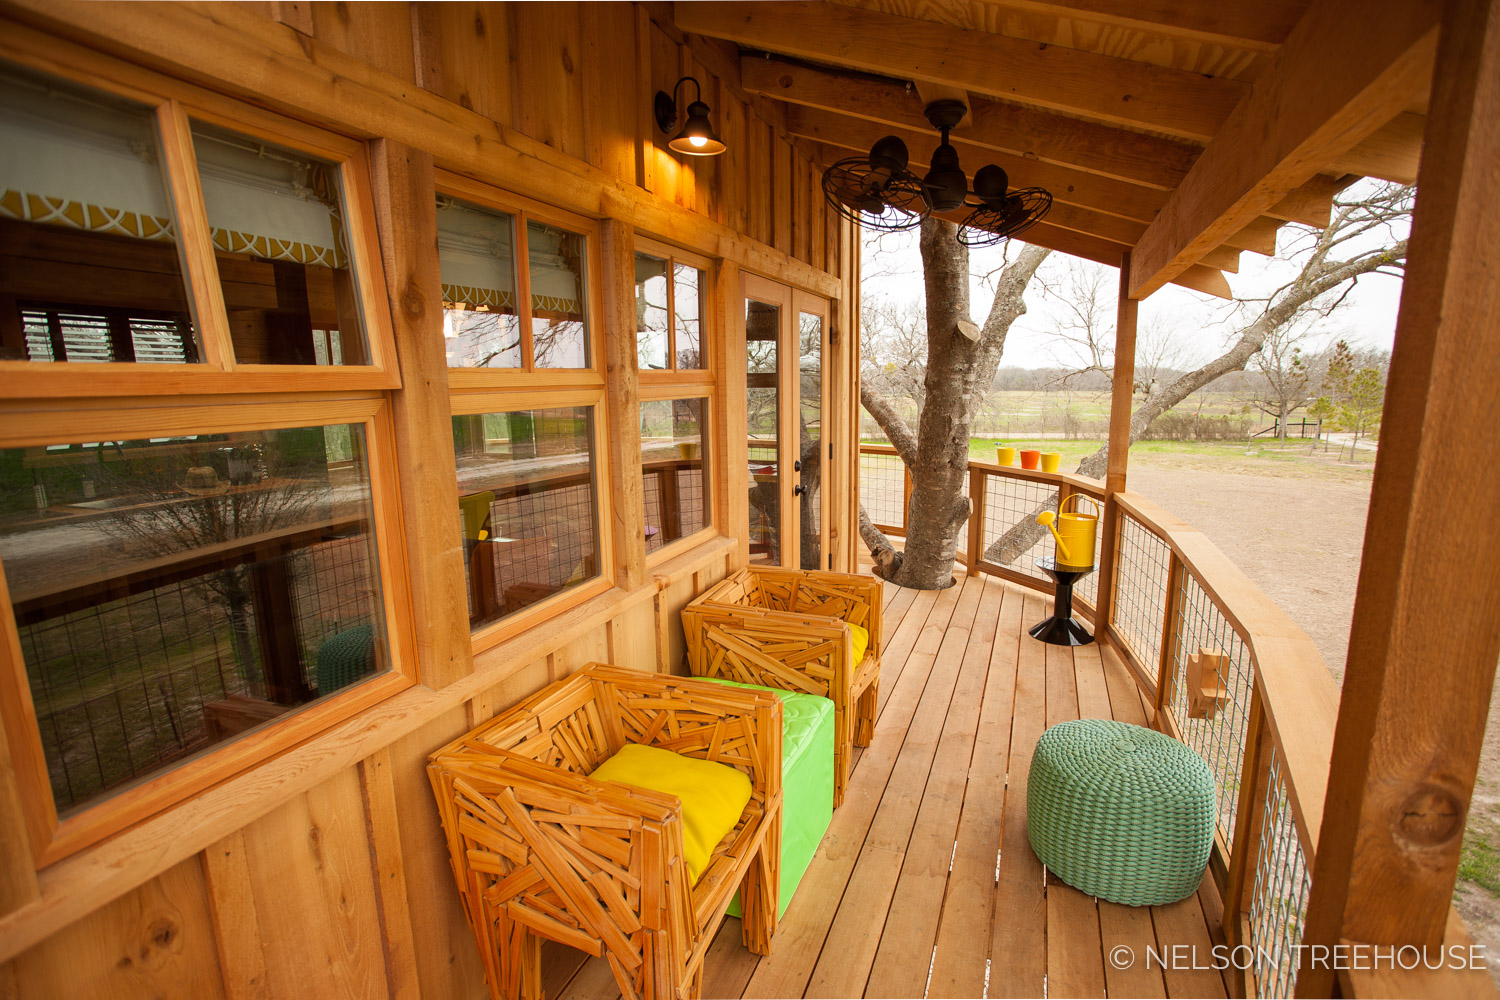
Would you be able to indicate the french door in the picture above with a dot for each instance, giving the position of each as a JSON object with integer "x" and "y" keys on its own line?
{"x": 786, "y": 385}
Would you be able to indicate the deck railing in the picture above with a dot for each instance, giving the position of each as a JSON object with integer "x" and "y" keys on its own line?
{"x": 1228, "y": 673}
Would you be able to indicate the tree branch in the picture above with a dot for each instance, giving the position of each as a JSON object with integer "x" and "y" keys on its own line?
{"x": 897, "y": 431}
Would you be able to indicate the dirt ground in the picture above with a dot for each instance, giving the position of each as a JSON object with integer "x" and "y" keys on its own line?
{"x": 1297, "y": 532}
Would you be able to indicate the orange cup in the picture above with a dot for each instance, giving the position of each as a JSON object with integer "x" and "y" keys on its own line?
{"x": 1051, "y": 461}
{"x": 1029, "y": 458}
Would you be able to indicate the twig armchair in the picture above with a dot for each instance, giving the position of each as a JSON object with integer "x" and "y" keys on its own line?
{"x": 789, "y": 629}
{"x": 542, "y": 851}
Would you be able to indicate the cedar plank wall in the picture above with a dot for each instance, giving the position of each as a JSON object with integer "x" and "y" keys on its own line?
{"x": 345, "y": 888}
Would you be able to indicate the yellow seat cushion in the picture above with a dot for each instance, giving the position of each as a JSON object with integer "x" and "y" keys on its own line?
{"x": 713, "y": 795}
{"x": 861, "y": 643}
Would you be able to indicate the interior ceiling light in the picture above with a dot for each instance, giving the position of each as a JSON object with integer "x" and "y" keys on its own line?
{"x": 879, "y": 192}
{"x": 697, "y": 136}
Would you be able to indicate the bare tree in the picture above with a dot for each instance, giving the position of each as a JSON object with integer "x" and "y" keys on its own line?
{"x": 1286, "y": 375}
{"x": 959, "y": 372}
{"x": 1364, "y": 226}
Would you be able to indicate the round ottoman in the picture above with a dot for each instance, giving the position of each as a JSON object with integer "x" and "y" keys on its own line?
{"x": 1121, "y": 812}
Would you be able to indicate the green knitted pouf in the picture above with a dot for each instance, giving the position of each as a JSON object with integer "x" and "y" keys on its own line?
{"x": 1120, "y": 812}
{"x": 346, "y": 657}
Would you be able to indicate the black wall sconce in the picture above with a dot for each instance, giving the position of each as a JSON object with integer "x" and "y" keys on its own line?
{"x": 697, "y": 136}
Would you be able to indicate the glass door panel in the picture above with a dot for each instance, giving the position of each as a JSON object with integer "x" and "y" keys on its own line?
{"x": 810, "y": 492}
{"x": 762, "y": 421}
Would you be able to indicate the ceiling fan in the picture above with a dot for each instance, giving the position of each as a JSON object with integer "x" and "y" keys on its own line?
{"x": 879, "y": 191}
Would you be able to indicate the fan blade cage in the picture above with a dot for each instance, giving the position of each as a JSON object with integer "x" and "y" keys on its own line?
{"x": 881, "y": 199}
{"x": 987, "y": 226}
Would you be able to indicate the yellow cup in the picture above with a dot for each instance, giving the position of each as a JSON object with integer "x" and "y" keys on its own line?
{"x": 1051, "y": 460}
{"x": 688, "y": 449}
{"x": 1005, "y": 456}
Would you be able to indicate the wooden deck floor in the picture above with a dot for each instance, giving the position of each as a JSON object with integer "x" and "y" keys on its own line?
{"x": 907, "y": 896}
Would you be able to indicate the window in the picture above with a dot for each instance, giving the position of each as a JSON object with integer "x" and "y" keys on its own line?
{"x": 669, "y": 314}
{"x": 522, "y": 340}
{"x": 677, "y": 393}
{"x": 487, "y": 322}
{"x": 190, "y": 245}
{"x": 183, "y": 574}
{"x": 528, "y": 503}
{"x": 89, "y": 253}
{"x": 282, "y": 250}
{"x": 173, "y": 592}
{"x": 674, "y": 453}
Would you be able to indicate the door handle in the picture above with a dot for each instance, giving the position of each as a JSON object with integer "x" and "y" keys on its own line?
{"x": 798, "y": 490}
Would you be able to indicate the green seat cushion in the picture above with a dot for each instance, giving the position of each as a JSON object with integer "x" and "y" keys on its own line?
{"x": 806, "y": 782}
{"x": 1120, "y": 812}
{"x": 861, "y": 642}
{"x": 713, "y": 795}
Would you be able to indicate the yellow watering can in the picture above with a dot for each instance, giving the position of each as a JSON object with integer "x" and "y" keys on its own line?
{"x": 1075, "y": 542}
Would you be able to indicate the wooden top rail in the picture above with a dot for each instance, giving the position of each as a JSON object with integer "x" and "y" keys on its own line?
{"x": 1300, "y": 698}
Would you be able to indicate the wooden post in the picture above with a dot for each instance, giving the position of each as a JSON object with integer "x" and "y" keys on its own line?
{"x": 1426, "y": 631}
{"x": 1122, "y": 392}
{"x": 1166, "y": 668}
{"x": 732, "y": 457}
{"x": 623, "y": 404}
{"x": 977, "y": 483}
{"x": 1255, "y": 771}
{"x": 276, "y": 627}
{"x": 406, "y": 221}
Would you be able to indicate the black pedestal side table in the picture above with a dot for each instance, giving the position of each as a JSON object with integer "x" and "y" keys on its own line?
{"x": 1061, "y": 629}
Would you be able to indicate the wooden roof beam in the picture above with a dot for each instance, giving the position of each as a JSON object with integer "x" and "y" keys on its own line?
{"x": 1392, "y": 152}
{"x": 1348, "y": 67}
{"x": 1033, "y": 135}
{"x": 1173, "y": 102}
{"x": 1112, "y": 208}
{"x": 1012, "y": 128}
{"x": 1260, "y": 25}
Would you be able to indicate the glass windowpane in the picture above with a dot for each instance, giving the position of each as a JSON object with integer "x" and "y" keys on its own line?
{"x": 763, "y": 398}
{"x": 476, "y": 255}
{"x": 810, "y": 446}
{"x": 673, "y": 460}
{"x": 89, "y": 263}
{"x": 650, "y": 312}
{"x": 277, "y": 218}
{"x": 559, "y": 329}
{"x": 688, "y": 284}
{"x": 527, "y": 506}
{"x": 173, "y": 593}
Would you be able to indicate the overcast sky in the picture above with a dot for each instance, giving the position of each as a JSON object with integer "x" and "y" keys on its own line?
{"x": 1201, "y": 324}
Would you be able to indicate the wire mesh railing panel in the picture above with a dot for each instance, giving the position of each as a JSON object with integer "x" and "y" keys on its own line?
{"x": 882, "y": 488}
{"x": 1143, "y": 572}
{"x": 1011, "y": 536}
{"x": 1278, "y": 904}
{"x": 1219, "y": 739}
{"x": 1087, "y": 587}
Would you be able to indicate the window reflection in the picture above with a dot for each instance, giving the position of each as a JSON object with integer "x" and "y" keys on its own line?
{"x": 171, "y": 593}
{"x": 527, "y": 504}
{"x": 89, "y": 263}
{"x": 476, "y": 255}
{"x": 688, "y": 318}
{"x": 559, "y": 331}
{"x": 277, "y": 220}
{"x": 651, "y": 329}
{"x": 673, "y": 459}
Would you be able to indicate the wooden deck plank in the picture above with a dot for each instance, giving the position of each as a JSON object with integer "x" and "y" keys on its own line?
{"x": 799, "y": 939}
{"x": 849, "y": 950}
{"x": 906, "y": 946}
{"x": 1018, "y": 946}
{"x": 1181, "y": 925}
{"x": 728, "y": 966}
{"x": 962, "y": 951}
{"x": 1093, "y": 688}
{"x": 1075, "y": 956}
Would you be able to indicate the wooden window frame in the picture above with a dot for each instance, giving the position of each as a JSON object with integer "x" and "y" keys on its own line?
{"x": 469, "y": 403}
{"x": 52, "y": 838}
{"x": 525, "y": 210}
{"x": 174, "y": 105}
{"x": 672, "y": 375}
{"x": 708, "y": 433}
